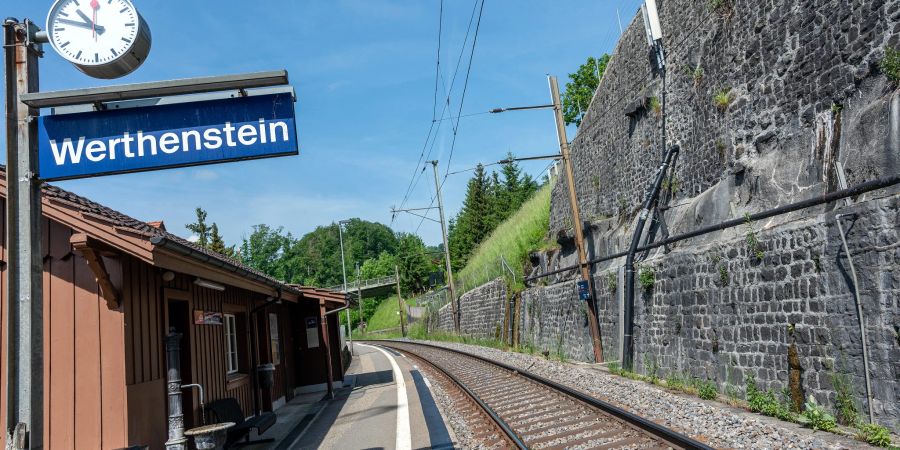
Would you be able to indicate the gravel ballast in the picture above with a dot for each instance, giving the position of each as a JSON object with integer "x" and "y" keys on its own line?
{"x": 717, "y": 424}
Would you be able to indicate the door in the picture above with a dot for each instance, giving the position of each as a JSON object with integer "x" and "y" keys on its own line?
{"x": 179, "y": 321}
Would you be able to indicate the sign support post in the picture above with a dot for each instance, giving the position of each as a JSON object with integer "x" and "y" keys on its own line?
{"x": 25, "y": 300}
{"x": 593, "y": 322}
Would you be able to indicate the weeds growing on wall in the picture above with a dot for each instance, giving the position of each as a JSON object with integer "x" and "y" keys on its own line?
{"x": 890, "y": 65}
{"x": 647, "y": 278}
{"x": 654, "y": 105}
{"x": 752, "y": 241}
{"x": 671, "y": 184}
{"x": 722, "y": 99}
{"x": 651, "y": 368}
{"x": 696, "y": 74}
{"x": 844, "y": 404}
{"x": 611, "y": 282}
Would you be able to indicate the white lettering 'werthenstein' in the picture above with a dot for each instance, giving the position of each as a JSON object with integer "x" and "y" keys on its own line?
{"x": 167, "y": 143}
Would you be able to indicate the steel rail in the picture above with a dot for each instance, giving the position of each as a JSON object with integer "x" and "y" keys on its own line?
{"x": 504, "y": 427}
{"x": 859, "y": 189}
{"x": 666, "y": 434}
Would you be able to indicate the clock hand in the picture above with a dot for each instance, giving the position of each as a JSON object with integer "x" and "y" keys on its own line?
{"x": 87, "y": 20}
{"x": 94, "y": 6}
{"x": 99, "y": 28}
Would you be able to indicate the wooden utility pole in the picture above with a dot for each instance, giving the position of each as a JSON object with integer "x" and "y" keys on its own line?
{"x": 25, "y": 335}
{"x": 399, "y": 300}
{"x": 576, "y": 218}
{"x": 440, "y": 199}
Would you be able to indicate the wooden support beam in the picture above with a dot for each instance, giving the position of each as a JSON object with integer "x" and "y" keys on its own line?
{"x": 91, "y": 251}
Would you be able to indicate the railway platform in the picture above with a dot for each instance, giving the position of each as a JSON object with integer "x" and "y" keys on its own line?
{"x": 387, "y": 403}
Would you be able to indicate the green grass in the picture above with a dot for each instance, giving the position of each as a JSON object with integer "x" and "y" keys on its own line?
{"x": 514, "y": 238}
{"x": 385, "y": 316}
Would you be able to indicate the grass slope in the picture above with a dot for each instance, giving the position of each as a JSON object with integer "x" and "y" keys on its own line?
{"x": 514, "y": 238}
{"x": 385, "y": 316}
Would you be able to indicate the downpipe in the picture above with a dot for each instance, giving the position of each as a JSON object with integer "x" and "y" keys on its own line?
{"x": 649, "y": 202}
{"x": 859, "y": 313}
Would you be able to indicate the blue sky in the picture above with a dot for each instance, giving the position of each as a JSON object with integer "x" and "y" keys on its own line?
{"x": 364, "y": 72}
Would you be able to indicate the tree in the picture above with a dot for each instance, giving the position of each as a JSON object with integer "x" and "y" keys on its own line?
{"x": 580, "y": 91}
{"x": 474, "y": 221}
{"x": 413, "y": 262}
{"x": 217, "y": 243}
{"x": 382, "y": 266}
{"x": 264, "y": 251}
{"x": 199, "y": 228}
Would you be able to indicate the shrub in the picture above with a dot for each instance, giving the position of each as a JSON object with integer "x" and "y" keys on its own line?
{"x": 647, "y": 278}
{"x": 707, "y": 391}
{"x": 816, "y": 416}
{"x": 722, "y": 98}
{"x": 674, "y": 381}
{"x": 844, "y": 404}
{"x": 875, "y": 434}
{"x": 764, "y": 402}
{"x": 890, "y": 65}
{"x": 651, "y": 368}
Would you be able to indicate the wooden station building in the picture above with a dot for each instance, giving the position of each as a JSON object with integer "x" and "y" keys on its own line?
{"x": 113, "y": 288}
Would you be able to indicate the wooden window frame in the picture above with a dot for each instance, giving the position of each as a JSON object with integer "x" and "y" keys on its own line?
{"x": 274, "y": 339}
{"x": 231, "y": 344}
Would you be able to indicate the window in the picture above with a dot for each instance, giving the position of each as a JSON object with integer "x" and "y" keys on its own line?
{"x": 273, "y": 338}
{"x": 231, "y": 347}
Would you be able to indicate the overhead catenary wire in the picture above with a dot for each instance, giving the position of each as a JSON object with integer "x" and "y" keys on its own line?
{"x": 432, "y": 132}
{"x": 465, "y": 89}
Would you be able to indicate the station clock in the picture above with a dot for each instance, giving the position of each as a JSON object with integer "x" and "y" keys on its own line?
{"x": 102, "y": 38}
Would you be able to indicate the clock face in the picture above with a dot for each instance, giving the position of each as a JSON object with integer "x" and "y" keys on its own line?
{"x": 93, "y": 32}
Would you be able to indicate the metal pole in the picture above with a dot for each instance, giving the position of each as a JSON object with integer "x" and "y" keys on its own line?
{"x": 440, "y": 199}
{"x": 862, "y": 321}
{"x": 576, "y": 217}
{"x": 25, "y": 333}
{"x": 359, "y": 298}
{"x": 176, "y": 441}
{"x": 344, "y": 272}
{"x": 399, "y": 300}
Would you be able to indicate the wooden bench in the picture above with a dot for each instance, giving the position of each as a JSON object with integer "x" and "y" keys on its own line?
{"x": 229, "y": 410}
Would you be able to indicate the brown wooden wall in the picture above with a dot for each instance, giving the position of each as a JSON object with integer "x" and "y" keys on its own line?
{"x": 207, "y": 342}
{"x": 84, "y": 368}
{"x": 105, "y": 368}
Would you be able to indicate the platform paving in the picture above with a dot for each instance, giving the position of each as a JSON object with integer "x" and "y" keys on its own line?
{"x": 364, "y": 413}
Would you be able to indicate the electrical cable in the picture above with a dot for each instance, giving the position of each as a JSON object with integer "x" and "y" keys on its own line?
{"x": 423, "y": 156}
{"x": 465, "y": 88}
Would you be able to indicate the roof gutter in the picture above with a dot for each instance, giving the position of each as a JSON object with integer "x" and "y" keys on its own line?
{"x": 168, "y": 244}
{"x": 346, "y": 305}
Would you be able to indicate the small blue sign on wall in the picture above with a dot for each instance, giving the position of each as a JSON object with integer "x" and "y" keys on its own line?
{"x": 108, "y": 142}
{"x": 584, "y": 292}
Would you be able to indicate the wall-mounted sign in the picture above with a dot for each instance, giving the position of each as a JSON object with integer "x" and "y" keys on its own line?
{"x": 207, "y": 317}
{"x": 107, "y": 142}
{"x": 312, "y": 332}
{"x": 584, "y": 292}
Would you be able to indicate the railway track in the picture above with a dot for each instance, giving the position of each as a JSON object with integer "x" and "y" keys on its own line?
{"x": 518, "y": 409}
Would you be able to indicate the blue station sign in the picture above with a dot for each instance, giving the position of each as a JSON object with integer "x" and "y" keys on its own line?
{"x": 139, "y": 139}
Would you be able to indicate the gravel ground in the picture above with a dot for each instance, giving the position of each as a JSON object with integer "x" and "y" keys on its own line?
{"x": 449, "y": 407}
{"x": 717, "y": 424}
